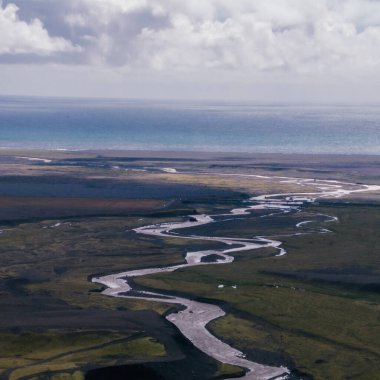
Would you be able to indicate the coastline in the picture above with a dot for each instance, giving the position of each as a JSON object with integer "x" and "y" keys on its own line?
{"x": 161, "y": 153}
{"x": 133, "y": 164}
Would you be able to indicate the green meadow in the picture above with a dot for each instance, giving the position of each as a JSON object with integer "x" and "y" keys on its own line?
{"x": 316, "y": 308}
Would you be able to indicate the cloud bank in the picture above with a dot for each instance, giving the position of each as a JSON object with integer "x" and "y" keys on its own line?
{"x": 258, "y": 39}
{"x": 20, "y": 37}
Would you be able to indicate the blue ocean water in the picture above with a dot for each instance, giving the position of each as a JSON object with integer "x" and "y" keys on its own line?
{"x": 75, "y": 124}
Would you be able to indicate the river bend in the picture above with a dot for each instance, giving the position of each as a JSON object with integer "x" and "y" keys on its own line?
{"x": 193, "y": 319}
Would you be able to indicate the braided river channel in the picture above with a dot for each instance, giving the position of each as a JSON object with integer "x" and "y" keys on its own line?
{"x": 194, "y": 316}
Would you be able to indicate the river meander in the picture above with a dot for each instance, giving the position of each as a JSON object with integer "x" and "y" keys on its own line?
{"x": 194, "y": 317}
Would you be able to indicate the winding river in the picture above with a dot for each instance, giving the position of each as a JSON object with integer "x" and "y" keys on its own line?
{"x": 193, "y": 319}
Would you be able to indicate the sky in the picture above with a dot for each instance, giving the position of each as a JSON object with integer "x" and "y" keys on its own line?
{"x": 325, "y": 51}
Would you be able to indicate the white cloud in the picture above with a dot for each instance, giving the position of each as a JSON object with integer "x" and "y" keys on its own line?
{"x": 107, "y": 11}
{"x": 302, "y": 36}
{"x": 20, "y": 37}
{"x": 178, "y": 44}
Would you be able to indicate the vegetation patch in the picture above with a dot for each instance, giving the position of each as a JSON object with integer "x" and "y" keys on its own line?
{"x": 319, "y": 324}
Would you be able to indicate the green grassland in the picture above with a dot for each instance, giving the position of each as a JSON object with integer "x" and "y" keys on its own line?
{"x": 316, "y": 309}
{"x": 65, "y": 355}
{"x": 319, "y": 305}
{"x": 55, "y": 322}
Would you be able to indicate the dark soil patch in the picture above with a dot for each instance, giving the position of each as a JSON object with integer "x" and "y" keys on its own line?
{"x": 195, "y": 366}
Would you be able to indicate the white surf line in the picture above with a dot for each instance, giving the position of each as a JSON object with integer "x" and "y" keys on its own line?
{"x": 192, "y": 321}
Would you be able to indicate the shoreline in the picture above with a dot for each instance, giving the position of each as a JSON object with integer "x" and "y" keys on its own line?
{"x": 134, "y": 174}
{"x": 160, "y": 153}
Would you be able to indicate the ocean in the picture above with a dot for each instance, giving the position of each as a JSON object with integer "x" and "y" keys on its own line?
{"x": 80, "y": 124}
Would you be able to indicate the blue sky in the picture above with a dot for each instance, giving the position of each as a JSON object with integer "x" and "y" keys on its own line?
{"x": 262, "y": 50}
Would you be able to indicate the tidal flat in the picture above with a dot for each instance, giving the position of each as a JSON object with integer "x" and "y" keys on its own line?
{"x": 67, "y": 217}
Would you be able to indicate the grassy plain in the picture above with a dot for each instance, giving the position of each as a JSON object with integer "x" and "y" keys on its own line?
{"x": 319, "y": 305}
{"x": 55, "y": 322}
{"x": 316, "y": 309}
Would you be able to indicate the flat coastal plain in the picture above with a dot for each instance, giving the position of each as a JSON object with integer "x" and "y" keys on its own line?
{"x": 69, "y": 217}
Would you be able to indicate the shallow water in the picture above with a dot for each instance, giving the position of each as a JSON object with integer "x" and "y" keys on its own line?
{"x": 44, "y": 123}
